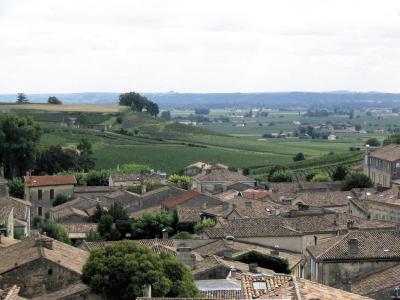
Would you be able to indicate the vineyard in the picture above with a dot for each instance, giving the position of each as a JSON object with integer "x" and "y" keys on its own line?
{"x": 325, "y": 165}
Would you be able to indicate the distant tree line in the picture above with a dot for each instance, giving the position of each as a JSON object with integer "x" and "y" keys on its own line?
{"x": 138, "y": 103}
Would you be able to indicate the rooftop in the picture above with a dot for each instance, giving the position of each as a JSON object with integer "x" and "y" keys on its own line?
{"x": 32, "y": 181}
{"x": 369, "y": 244}
{"x": 390, "y": 153}
{"x": 222, "y": 175}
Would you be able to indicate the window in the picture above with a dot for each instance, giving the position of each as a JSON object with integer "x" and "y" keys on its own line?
{"x": 52, "y": 194}
{"x": 40, "y": 194}
{"x": 40, "y": 212}
{"x": 50, "y": 271}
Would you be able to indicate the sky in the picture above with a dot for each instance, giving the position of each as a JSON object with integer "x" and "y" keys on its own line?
{"x": 199, "y": 45}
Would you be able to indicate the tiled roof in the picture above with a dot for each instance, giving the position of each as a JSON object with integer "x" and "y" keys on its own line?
{"x": 7, "y": 241}
{"x": 390, "y": 152}
{"x": 289, "y": 287}
{"x": 5, "y": 210}
{"x": 189, "y": 214}
{"x": 138, "y": 213}
{"x": 222, "y": 294}
{"x": 121, "y": 177}
{"x": 282, "y": 225}
{"x": 271, "y": 226}
{"x": 32, "y": 181}
{"x": 254, "y": 194}
{"x": 222, "y": 175}
{"x": 324, "y": 199}
{"x": 371, "y": 245}
{"x": 10, "y": 293}
{"x": 383, "y": 280}
{"x": 239, "y": 186}
{"x": 30, "y": 250}
{"x": 179, "y": 199}
{"x": 20, "y": 208}
{"x": 95, "y": 189}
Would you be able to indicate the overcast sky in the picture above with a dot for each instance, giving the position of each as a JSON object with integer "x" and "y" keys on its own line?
{"x": 199, "y": 46}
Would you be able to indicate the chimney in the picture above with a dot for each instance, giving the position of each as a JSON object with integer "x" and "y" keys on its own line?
{"x": 144, "y": 189}
{"x": 233, "y": 273}
{"x": 228, "y": 253}
{"x": 353, "y": 246}
{"x": 275, "y": 251}
{"x": 165, "y": 234}
{"x": 229, "y": 239}
{"x": 185, "y": 255}
{"x": 44, "y": 242}
{"x": 350, "y": 225}
{"x": 253, "y": 268}
{"x": 147, "y": 291}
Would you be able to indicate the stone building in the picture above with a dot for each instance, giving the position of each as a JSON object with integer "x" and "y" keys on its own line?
{"x": 41, "y": 191}
{"x": 40, "y": 265}
{"x": 340, "y": 260}
{"x": 383, "y": 166}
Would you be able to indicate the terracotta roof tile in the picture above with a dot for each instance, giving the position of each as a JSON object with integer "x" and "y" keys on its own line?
{"x": 32, "y": 181}
{"x": 179, "y": 199}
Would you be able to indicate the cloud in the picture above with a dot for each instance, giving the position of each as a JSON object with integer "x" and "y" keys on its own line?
{"x": 162, "y": 45}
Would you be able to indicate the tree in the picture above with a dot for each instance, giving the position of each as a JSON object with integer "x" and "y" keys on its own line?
{"x": 166, "y": 115}
{"x": 54, "y": 100}
{"x": 52, "y": 229}
{"x": 282, "y": 176}
{"x": 16, "y": 187}
{"x": 356, "y": 180}
{"x": 120, "y": 271}
{"x": 86, "y": 161}
{"x": 83, "y": 119}
{"x": 105, "y": 225}
{"x": 319, "y": 177}
{"x": 97, "y": 178}
{"x": 22, "y": 99}
{"x": 150, "y": 225}
{"x": 298, "y": 157}
{"x": 118, "y": 212}
{"x": 205, "y": 223}
{"x": 339, "y": 173}
{"x": 19, "y": 139}
{"x": 138, "y": 102}
{"x": 373, "y": 142}
{"x": 182, "y": 235}
{"x": 180, "y": 180}
{"x": 392, "y": 139}
{"x": 351, "y": 114}
{"x": 55, "y": 160}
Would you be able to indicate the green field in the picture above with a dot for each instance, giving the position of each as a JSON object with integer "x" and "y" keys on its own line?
{"x": 170, "y": 146}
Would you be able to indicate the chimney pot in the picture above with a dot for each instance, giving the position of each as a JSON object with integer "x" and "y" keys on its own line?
{"x": 253, "y": 268}
{"x": 165, "y": 234}
{"x": 228, "y": 253}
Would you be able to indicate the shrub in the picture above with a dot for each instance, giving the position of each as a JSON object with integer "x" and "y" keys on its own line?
{"x": 339, "y": 173}
{"x": 299, "y": 157}
{"x": 182, "y": 181}
{"x": 373, "y": 142}
{"x": 282, "y": 176}
{"x": 205, "y": 223}
{"x": 16, "y": 187}
{"x": 319, "y": 177}
{"x": 356, "y": 180}
{"x": 182, "y": 235}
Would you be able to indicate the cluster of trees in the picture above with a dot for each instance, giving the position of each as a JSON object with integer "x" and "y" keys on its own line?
{"x": 56, "y": 159}
{"x": 180, "y": 180}
{"x": 138, "y": 103}
{"x": 54, "y": 100}
{"x": 311, "y": 132}
{"x": 51, "y": 229}
{"x": 136, "y": 266}
{"x": 202, "y": 111}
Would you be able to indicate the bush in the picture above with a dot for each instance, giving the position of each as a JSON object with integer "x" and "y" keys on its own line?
{"x": 282, "y": 176}
{"x": 95, "y": 178}
{"x": 373, "y": 142}
{"x": 181, "y": 181}
{"x": 276, "y": 264}
{"x": 52, "y": 230}
{"x": 319, "y": 177}
{"x": 356, "y": 180}
{"x": 16, "y": 187}
{"x": 150, "y": 225}
{"x": 339, "y": 173}
{"x": 299, "y": 157}
{"x": 205, "y": 223}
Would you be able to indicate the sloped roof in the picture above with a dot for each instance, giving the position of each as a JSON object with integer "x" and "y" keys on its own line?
{"x": 5, "y": 210}
{"x": 386, "y": 279}
{"x": 254, "y": 194}
{"x": 179, "y": 199}
{"x": 390, "y": 152}
{"x": 324, "y": 199}
{"x": 30, "y": 250}
{"x": 10, "y": 293}
{"x": 222, "y": 175}
{"x": 121, "y": 177}
{"x": 371, "y": 245}
{"x": 288, "y": 287}
{"x": 32, "y": 181}
{"x": 189, "y": 214}
{"x": 65, "y": 293}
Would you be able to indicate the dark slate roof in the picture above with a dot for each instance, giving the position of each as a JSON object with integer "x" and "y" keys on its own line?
{"x": 371, "y": 245}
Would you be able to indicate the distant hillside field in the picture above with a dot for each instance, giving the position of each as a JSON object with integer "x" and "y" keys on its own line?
{"x": 62, "y": 108}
